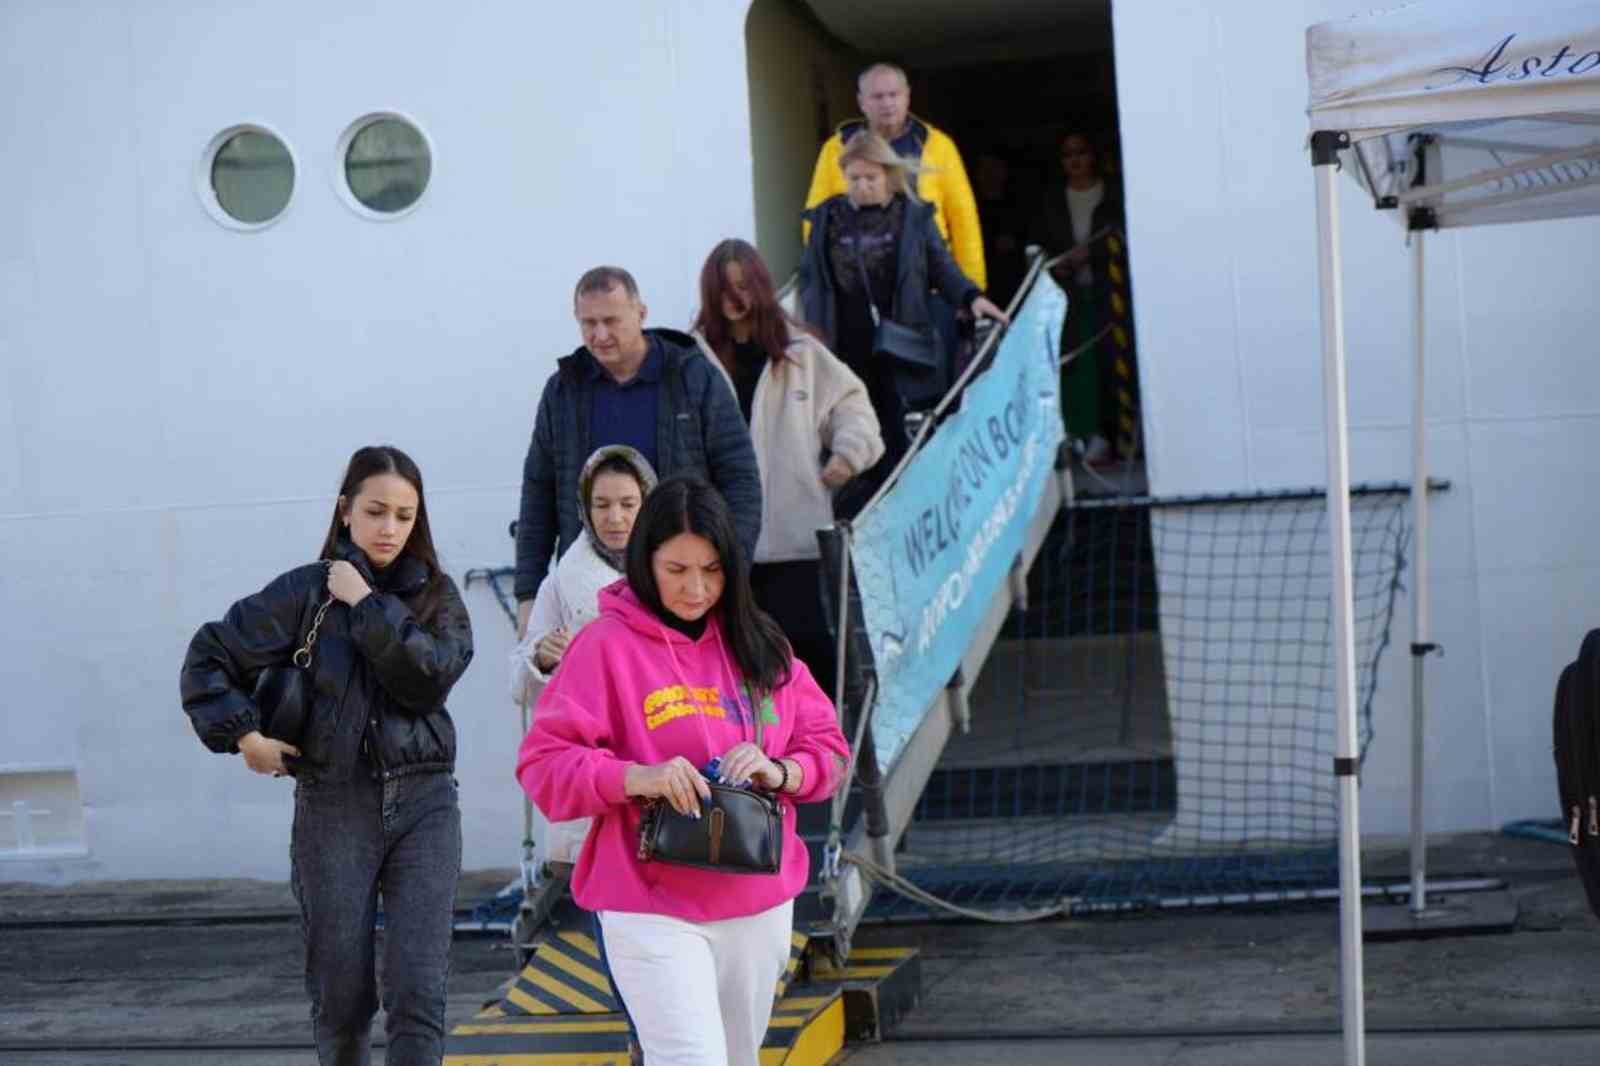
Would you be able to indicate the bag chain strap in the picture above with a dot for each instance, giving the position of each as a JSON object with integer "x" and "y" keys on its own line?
{"x": 302, "y": 655}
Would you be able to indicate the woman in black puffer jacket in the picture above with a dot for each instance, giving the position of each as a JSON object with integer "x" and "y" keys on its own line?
{"x": 375, "y": 803}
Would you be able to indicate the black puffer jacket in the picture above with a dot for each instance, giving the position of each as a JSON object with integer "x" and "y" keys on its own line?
{"x": 377, "y": 674}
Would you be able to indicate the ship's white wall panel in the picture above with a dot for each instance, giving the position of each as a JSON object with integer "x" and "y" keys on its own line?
{"x": 179, "y": 398}
{"x": 1222, "y": 239}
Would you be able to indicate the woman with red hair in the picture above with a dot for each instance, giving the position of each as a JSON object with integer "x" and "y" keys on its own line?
{"x": 813, "y": 427}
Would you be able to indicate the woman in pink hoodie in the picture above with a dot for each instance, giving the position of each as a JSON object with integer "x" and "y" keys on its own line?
{"x": 674, "y": 673}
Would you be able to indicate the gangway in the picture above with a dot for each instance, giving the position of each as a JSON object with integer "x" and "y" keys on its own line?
{"x": 560, "y": 1006}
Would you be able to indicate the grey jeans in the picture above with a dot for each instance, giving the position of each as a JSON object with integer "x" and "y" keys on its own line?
{"x": 354, "y": 840}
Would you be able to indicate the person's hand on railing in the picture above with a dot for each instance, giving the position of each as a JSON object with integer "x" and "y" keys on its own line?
{"x": 983, "y": 307}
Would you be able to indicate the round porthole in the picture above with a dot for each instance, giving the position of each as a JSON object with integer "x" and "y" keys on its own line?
{"x": 246, "y": 177}
{"x": 386, "y": 163}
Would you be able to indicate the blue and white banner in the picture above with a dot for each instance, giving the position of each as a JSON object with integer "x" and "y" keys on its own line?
{"x": 929, "y": 555}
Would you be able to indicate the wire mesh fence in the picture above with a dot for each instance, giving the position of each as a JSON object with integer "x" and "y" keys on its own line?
{"x": 1160, "y": 724}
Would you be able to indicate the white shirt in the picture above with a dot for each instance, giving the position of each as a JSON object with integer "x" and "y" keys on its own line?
{"x": 1081, "y": 204}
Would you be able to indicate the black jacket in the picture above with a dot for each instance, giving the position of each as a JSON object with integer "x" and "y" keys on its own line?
{"x": 699, "y": 431}
{"x": 923, "y": 263}
{"x": 377, "y": 675}
{"x": 1053, "y": 230}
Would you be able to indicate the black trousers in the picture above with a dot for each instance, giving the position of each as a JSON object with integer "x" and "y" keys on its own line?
{"x": 792, "y": 594}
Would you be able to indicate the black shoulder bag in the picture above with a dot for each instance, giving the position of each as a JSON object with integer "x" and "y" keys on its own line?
{"x": 739, "y": 831}
{"x": 283, "y": 694}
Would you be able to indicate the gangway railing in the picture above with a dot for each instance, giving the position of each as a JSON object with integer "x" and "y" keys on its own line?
{"x": 860, "y": 854}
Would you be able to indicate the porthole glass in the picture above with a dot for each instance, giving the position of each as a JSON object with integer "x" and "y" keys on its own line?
{"x": 387, "y": 164}
{"x": 252, "y": 176}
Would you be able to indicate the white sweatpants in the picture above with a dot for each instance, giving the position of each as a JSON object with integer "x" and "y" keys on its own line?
{"x": 699, "y": 993}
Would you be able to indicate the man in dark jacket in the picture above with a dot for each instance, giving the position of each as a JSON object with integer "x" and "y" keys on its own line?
{"x": 649, "y": 389}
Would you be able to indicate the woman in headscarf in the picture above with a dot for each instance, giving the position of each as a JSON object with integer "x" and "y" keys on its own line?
{"x": 611, "y": 489}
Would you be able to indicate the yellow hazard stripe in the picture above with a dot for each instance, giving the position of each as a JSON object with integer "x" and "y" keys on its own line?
{"x": 563, "y": 992}
{"x": 544, "y": 1025}
{"x": 528, "y": 1003}
{"x": 583, "y": 943}
{"x": 572, "y": 967}
{"x": 854, "y": 973}
{"x": 882, "y": 953}
{"x": 802, "y": 1003}
{"x": 817, "y": 1042}
{"x": 546, "y": 1058}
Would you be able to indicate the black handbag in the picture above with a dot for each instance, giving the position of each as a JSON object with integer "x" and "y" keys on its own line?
{"x": 282, "y": 694}
{"x": 739, "y": 831}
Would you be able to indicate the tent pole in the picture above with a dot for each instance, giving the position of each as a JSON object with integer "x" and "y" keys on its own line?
{"x": 1325, "y": 147}
{"x": 1420, "y": 645}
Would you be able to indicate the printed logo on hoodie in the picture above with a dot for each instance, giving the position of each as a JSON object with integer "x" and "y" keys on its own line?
{"x": 675, "y": 701}
{"x": 665, "y": 704}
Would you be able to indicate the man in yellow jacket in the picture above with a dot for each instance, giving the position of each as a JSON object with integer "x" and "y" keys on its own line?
{"x": 884, "y": 97}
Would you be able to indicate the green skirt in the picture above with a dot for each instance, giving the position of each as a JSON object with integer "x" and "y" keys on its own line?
{"x": 1082, "y": 384}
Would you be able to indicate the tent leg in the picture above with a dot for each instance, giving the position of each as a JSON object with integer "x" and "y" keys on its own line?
{"x": 1420, "y": 645}
{"x": 1325, "y": 148}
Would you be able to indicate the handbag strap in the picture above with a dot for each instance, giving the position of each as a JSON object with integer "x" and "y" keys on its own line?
{"x": 302, "y": 655}
{"x": 861, "y": 265}
{"x": 755, "y": 712}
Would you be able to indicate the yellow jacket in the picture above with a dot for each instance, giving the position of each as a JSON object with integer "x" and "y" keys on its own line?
{"x": 944, "y": 185}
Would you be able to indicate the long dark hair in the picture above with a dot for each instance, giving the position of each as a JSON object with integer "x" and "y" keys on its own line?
{"x": 690, "y": 505}
{"x": 771, "y": 328}
{"x": 386, "y": 459}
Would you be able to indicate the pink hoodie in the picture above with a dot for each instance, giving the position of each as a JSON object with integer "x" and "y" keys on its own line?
{"x": 632, "y": 690}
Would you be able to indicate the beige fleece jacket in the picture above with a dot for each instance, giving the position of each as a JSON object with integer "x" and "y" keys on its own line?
{"x": 808, "y": 402}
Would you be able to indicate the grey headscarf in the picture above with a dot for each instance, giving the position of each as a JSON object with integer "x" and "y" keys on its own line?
{"x": 641, "y": 470}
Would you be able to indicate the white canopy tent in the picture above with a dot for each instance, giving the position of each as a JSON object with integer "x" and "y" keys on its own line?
{"x": 1451, "y": 113}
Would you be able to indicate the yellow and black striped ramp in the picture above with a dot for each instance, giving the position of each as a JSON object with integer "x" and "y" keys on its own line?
{"x": 807, "y": 1029}
{"x": 565, "y": 976}
{"x": 879, "y": 986}
{"x": 562, "y": 1011}
{"x": 797, "y": 955}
